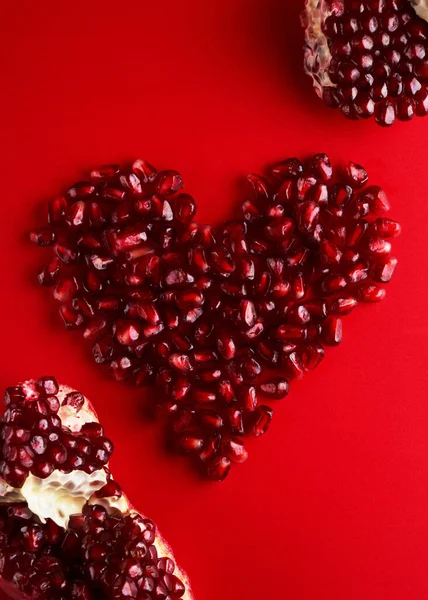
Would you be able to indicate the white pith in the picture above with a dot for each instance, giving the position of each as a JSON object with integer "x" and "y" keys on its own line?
{"x": 61, "y": 495}
{"x": 421, "y": 8}
{"x": 317, "y": 53}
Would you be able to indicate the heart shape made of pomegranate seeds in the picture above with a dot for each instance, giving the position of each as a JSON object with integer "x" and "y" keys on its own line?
{"x": 207, "y": 315}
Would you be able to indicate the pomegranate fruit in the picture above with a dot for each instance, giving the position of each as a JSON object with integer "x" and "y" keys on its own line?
{"x": 208, "y": 315}
{"x": 67, "y": 530}
{"x": 369, "y": 57}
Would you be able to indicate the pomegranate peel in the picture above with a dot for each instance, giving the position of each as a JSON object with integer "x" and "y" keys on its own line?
{"x": 207, "y": 314}
{"x": 72, "y": 535}
{"x": 370, "y": 59}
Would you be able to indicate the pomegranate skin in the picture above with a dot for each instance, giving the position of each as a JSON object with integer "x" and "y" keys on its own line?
{"x": 370, "y": 59}
{"x": 205, "y": 314}
{"x": 46, "y": 563}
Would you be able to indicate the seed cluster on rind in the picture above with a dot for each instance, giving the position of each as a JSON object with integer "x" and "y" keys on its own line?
{"x": 33, "y": 438}
{"x": 100, "y": 556}
{"x": 206, "y": 314}
{"x": 378, "y": 59}
{"x": 106, "y": 551}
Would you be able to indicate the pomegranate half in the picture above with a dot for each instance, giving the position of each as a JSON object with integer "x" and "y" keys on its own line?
{"x": 220, "y": 320}
{"x": 67, "y": 530}
{"x": 369, "y": 57}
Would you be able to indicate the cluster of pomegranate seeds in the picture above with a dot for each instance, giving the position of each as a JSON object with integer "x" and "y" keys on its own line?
{"x": 100, "y": 556}
{"x": 379, "y": 61}
{"x": 207, "y": 315}
{"x": 34, "y": 440}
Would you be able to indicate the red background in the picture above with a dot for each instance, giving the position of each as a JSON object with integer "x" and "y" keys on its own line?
{"x": 332, "y": 503}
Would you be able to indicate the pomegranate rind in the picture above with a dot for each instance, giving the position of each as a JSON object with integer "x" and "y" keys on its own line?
{"x": 421, "y": 8}
{"x": 317, "y": 53}
{"x": 73, "y": 420}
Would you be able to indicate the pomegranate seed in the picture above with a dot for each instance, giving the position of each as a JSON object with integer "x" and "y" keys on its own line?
{"x": 210, "y": 419}
{"x": 383, "y": 272}
{"x": 185, "y": 208}
{"x": 299, "y": 315}
{"x": 293, "y": 366}
{"x": 66, "y": 289}
{"x": 321, "y": 167}
{"x": 169, "y": 182}
{"x": 57, "y": 211}
{"x": 357, "y": 273}
{"x": 105, "y": 172}
{"x": 332, "y": 331}
{"x": 204, "y": 396}
{"x": 342, "y": 306}
{"x": 263, "y": 417}
{"x": 249, "y": 397}
{"x": 209, "y": 375}
{"x": 376, "y": 199}
{"x": 290, "y": 333}
{"x": 308, "y": 214}
{"x": 72, "y": 319}
{"x": 386, "y": 228}
{"x": 356, "y": 174}
{"x": 371, "y": 293}
{"x": 330, "y": 254}
{"x": 43, "y": 237}
{"x": 144, "y": 170}
{"x": 288, "y": 168}
{"x": 234, "y": 449}
{"x": 280, "y": 229}
{"x": 75, "y": 400}
{"x": 377, "y": 246}
{"x": 311, "y": 356}
{"x": 180, "y": 362}
{"x": 219, "y": 468}
{"x": 49, "y": 274}
{"x": 81, "y": 190}
{"x": 260, "y": 187}
{"x": 211, "y": 446}
{"x": 235, "y": 418}
{"x": 248, "y": 313}
{"x": 188, "y": 443}
{"x": 226, "y": 345}
{"x": 275, "y": 388}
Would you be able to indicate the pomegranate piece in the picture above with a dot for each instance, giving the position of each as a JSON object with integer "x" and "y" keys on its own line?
{"x": 218, "y": 469}
{"x": 206, "y": 314}
{"x": 68, "y": 527}
{"x": 275, "y": 388}
{"x": 332, "y": 331}
{"x": 368, "y": 59}
{"x": 263, "y": 418}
